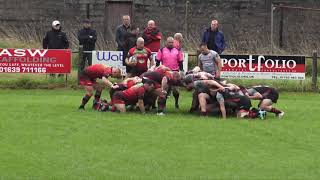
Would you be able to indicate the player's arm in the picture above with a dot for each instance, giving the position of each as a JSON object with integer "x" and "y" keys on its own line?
{"x": 218, "y": 65}
{"x": 141, "y": 106}
{"x": 127, "y": 59}
{"x": 140, "y": 102}
{"x": 151, "y": 62}
{"x": 256, "y": 96}
{"x": 215, "y": 84}
{"x": 106, "y": 82}
{"x": 253, "y": 94}
{"x": 164, "y": 85}
{"x": 199, "y": 63}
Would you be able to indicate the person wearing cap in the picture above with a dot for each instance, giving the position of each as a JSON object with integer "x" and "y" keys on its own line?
{"x": 214, "y": 38}
{"x": 87, "y": 38}
{"x": 55, "y": 39}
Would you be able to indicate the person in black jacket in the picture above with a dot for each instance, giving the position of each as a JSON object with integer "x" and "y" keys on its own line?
{"x": 87, "y": 37}
{"x": 122, "y": 34}
{"x": 55, "y": 39}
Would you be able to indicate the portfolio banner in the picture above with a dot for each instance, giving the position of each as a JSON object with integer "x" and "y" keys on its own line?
{"x": 263, "y": 67}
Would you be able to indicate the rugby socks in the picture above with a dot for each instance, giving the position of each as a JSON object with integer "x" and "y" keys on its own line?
{"x": 275, "y": 111}
{"x": 162, "y": 103}
{"x": 85, "y": 100}
{"x": 96, "y": 100}
{"x": 203, "y": 114}
{"x": 97, "y": 96}
{"x": 176, "y": 98}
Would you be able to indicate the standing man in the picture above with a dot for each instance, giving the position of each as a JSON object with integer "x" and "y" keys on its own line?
{"x": 87, "y": 38}
{"x": 152, "y": 36}
{"x": 214, "y": 38}
{"x": 209, "y": 61}
{"x": 122, "y": 33}
{"x": 55, "y": 39}
{"x": 137, "y": 59}
{"x": 170, "y": 56}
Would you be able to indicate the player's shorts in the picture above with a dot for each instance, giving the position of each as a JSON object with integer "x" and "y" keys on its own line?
{"x": 121, "y": 87}
{"x": 136, "y": 72}
{"x": 239, "y": 103}
{"x": 119, "y": 98}
{"x": 244, "y": 103}
{"x": 85, "y": 80}
{"x": 273, "y": 96}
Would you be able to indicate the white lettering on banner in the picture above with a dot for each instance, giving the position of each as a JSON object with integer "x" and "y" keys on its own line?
{"x": 114, "y": 59}
{"x": 24, "y": 52}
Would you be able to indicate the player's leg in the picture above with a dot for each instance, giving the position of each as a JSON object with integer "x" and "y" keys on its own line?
{"x": 176, "y": 94}
{"x": 89, "y": 93}
{"x": 266, "y": 104}
{"x": 203, "y": 103}
{"x": 120, "y": 107}
{"x": 118, "y": 102}
{"x": 162, "y": 101}
{"x": 97, "y": 96}
{"x": 195, "y": 102}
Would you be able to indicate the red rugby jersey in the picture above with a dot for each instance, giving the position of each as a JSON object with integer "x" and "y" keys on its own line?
{"x": 98, "y": 71}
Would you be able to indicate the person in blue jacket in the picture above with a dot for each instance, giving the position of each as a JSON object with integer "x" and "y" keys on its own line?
{"x": 214, "y": 38}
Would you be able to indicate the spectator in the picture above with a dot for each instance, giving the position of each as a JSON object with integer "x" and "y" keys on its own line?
{"x": 131, "y": 38}
{"x": 214, "y": 38}
{"x": 121, "y": 38}
{"x": 209, "y": 61}
{"x": 87, "y": 37}
{"x": 178, "y": 38}
{"x": 170, "y": 56}
{"x": 152, "y": 36}
{"x": 55, "y": 39}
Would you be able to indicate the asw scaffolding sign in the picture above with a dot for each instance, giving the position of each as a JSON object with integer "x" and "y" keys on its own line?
{"x": 35, "y": 61}
{"x": 263, "y": 67}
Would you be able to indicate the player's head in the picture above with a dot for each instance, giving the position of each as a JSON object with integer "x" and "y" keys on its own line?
{"x": 126, "y": 20}
{"x": 178, "y": 37}
{"x": 214, "y": 25}
{"x": 151, "y": 24}
{"x": 148, "y": 84}
{"x": 87, "y": 23}
{"x": 204, "y": 48}
{"x": 140, "y": 43}
{"x": 116, "y": 73}
{"x": 188, "y": 81}
{"x": 169, "y": 42}
{"x": 243, "y": 89}
{"x": 56, "y": 25}
{"x": 135, "y": 30}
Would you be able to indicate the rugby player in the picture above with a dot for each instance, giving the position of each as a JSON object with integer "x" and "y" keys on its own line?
{"x": 138, "y": 58}
{"x": 267, "y": 96}
{"x": 88, "y": 80}
{"x": 132, "y": 96}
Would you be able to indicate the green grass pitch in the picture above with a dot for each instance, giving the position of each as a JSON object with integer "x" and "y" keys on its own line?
{"x": 43, "y": 136}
